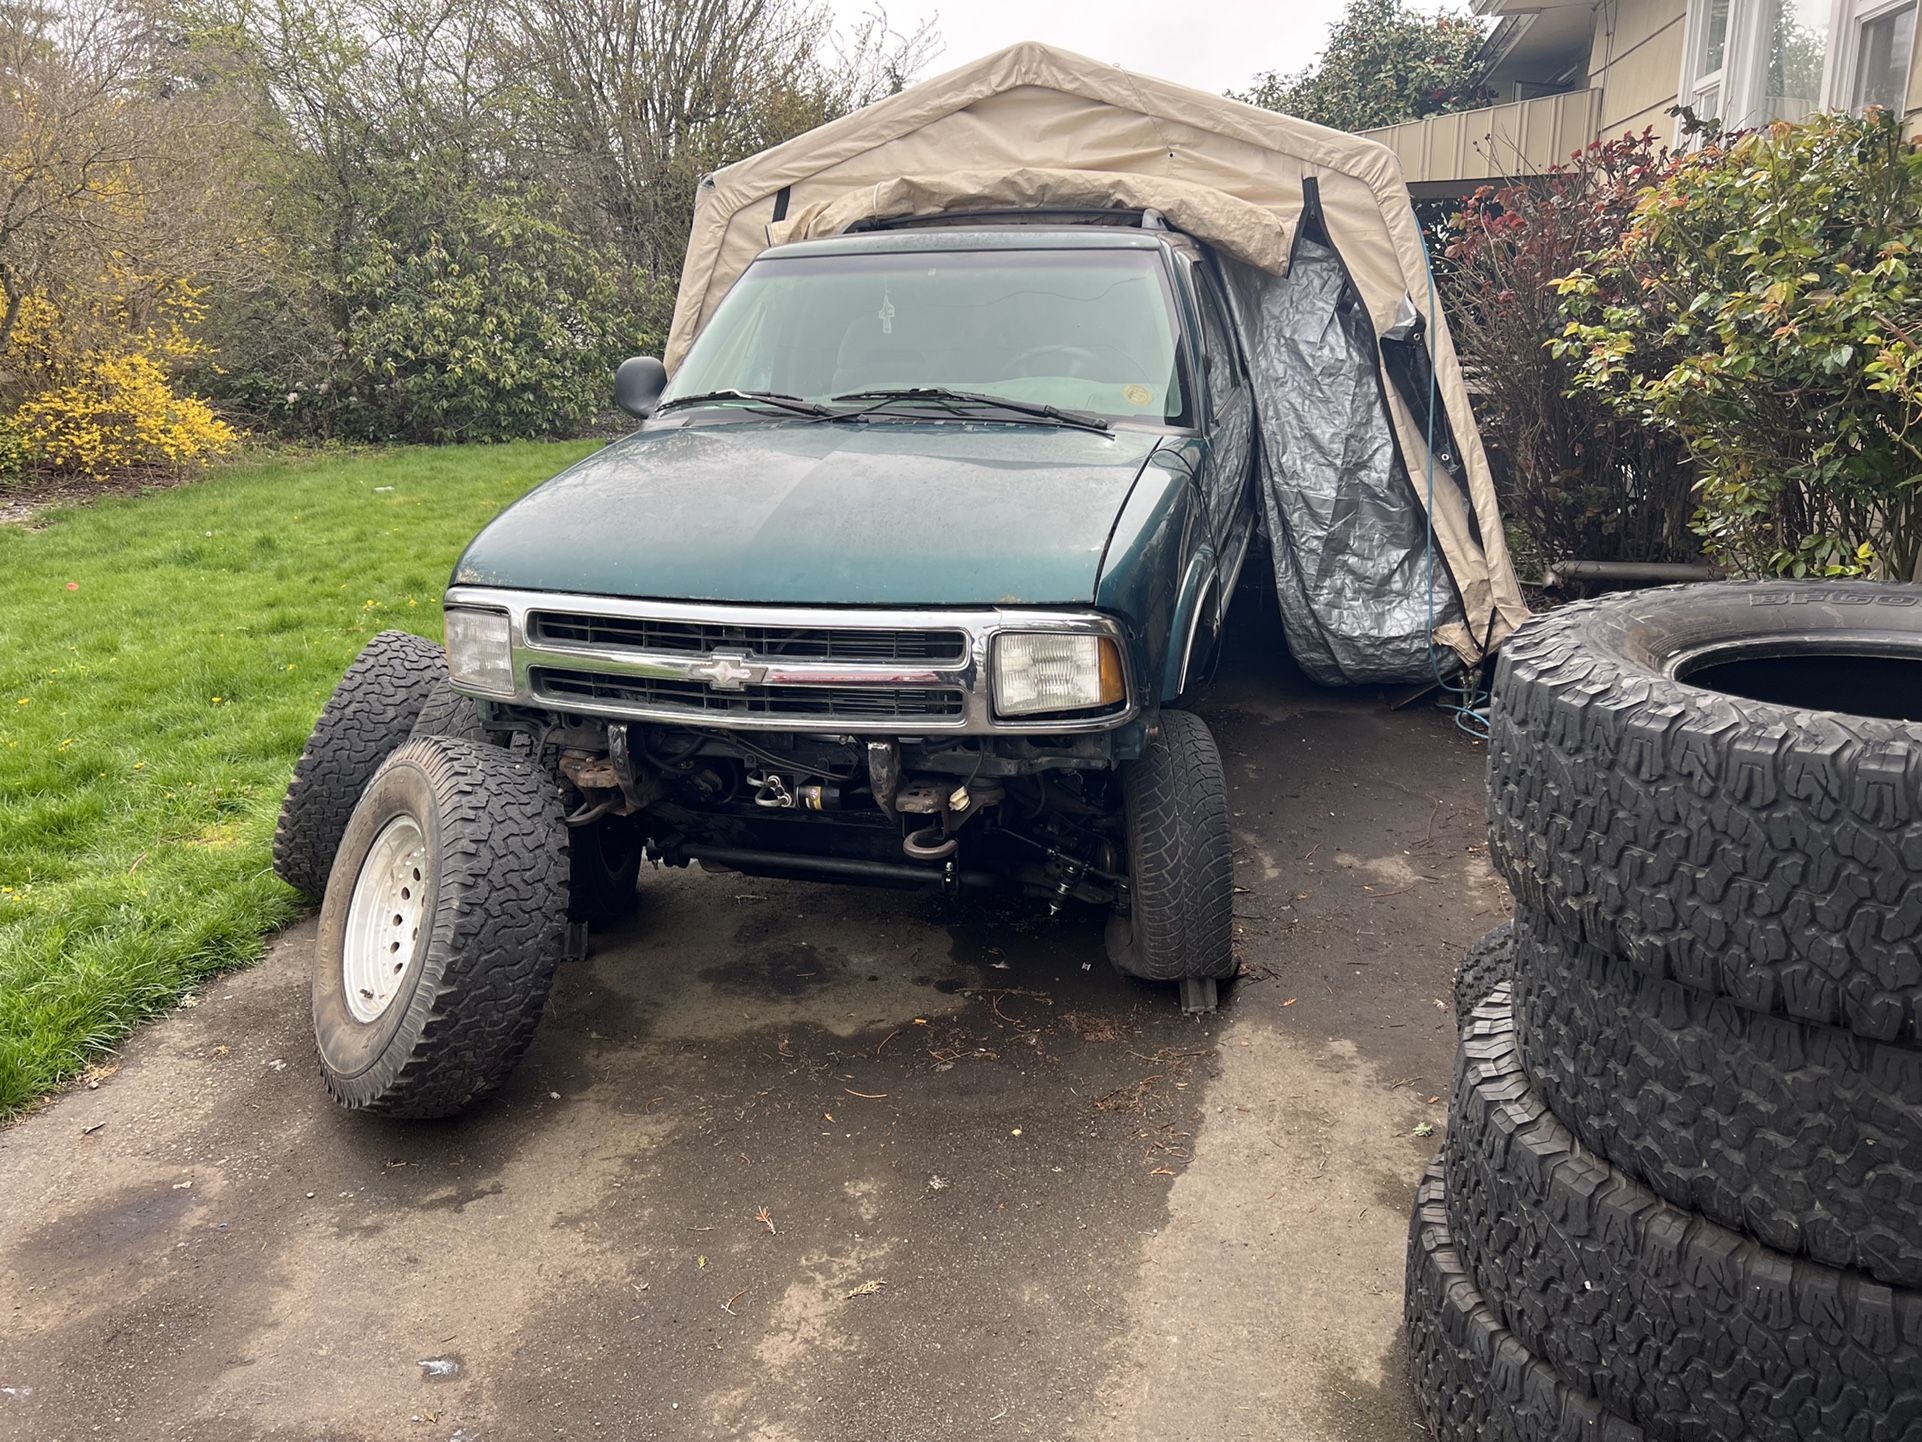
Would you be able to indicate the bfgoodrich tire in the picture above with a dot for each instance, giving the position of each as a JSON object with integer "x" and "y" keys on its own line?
{"x": 1487, "y": 964}
{"x": 1474, "y": 1380}
{"x": 1807, "y": 1137}
{"x": 445, "y": 918}
{"x": 1723, "y": 784}
{"x": 371, "y": 712}
{"x": 1181, "y": 884}
{"x": 446, "y": 712}
{"x": 1685, "y": 1327}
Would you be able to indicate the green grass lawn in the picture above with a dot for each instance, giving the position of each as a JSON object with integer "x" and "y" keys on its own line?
{"x": 161, "y": 662}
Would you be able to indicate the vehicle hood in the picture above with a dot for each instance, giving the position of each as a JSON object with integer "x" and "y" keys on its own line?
{"x": 888, "y": 513}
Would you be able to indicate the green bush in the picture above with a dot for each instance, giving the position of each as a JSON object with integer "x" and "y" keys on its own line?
{"x": 448, "y": 312}
{"x": 480, "y": 320}
{"x": 15, "y": 452}
{"x": 1761, "y": 307}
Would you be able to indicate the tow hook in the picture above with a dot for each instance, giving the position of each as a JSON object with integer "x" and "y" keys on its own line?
{"x": 950, "y": 808}
{"x": 930, "y": 843}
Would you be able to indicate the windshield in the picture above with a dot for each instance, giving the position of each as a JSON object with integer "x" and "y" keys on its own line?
{"x": 1085, "y": 330}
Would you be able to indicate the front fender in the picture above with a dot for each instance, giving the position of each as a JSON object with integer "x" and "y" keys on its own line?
{"x": 1156, "y": 569}
{"x": 1191, "y": 613}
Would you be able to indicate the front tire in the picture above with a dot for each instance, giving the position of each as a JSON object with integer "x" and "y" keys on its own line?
{"x": 444, "y": 919}
{"x": 1180, "y": 921}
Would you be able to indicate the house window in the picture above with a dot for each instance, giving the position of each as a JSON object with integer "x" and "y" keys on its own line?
{"x": 1872, "y": 59}
{"x": 1711, "y": 60}
{"x": 1752, "y": 61}
{"x": 1748, "y": 62}
{"x": 1795, "y": 49}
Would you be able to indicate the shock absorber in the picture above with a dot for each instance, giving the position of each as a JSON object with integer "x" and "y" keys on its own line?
{"x": 1071, "y": 875}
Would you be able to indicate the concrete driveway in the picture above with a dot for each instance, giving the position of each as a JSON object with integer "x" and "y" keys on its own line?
{"x": 803, "y": 1163}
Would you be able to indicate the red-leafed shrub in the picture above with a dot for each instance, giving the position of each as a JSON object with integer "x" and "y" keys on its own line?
{"x": 1579, "y": 478}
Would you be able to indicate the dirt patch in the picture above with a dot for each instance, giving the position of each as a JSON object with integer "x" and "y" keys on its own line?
{"x": 30, "y": 500}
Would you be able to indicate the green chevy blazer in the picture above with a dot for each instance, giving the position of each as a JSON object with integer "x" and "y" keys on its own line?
{"x": 904, "y": 578}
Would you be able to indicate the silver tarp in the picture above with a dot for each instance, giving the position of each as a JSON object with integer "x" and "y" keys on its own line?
{"x": 1352, "y": 550}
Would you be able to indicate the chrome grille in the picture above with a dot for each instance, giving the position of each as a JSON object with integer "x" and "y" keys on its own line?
{"x": 886, "y": 670}
{"x": 788, "y": 643}
{"x": 848, "y": 703}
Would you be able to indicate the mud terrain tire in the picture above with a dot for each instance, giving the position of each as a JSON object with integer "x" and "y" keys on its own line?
{"x": 1685, "y": 1327}
{"x": 446, "y": 712}
{"x": 1487, "y": 964}
{"x": 1807, "y": 1137}
{"x": 1474, "y": 1380}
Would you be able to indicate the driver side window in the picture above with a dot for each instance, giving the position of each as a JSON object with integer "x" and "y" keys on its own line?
{"x": 1224, "y": 367}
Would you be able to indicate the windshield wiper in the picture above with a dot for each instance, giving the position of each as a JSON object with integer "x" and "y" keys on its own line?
{"x": 777, "y": 399}
{"x": 953, "y": 400}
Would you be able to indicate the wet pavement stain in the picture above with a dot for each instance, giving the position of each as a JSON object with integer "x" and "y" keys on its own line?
{"x": 775, "y": 969}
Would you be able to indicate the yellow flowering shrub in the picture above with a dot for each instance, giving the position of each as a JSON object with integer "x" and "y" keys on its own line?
{"x": 96, "y": 395}
{"x": 119, "y": 413}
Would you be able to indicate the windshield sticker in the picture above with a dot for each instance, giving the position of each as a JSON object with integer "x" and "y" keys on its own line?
{"x": 1137, "y": 394}
{"x": 887, "y": 313}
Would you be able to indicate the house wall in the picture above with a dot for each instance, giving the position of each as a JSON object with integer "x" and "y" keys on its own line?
{"x": 1473, "y": 147}
{"x": 1636, "y": 62}
{"x": 1915, "y": 87}
{"x": 1634, "y": 78}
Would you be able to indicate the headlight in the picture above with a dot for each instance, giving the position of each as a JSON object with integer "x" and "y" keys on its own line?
{"x": 1038, "y": 671}
{"x": 480, "y": 652}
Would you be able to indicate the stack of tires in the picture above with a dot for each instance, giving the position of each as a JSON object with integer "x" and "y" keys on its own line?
{"x": 1681, "y": 1195}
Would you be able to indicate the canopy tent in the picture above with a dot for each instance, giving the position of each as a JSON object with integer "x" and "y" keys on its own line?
{"x": 1382, "y": 544}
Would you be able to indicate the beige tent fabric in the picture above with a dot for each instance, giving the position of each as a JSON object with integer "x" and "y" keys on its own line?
{"x": 1248, "y": 232}
{"x": 1229, "y": 173}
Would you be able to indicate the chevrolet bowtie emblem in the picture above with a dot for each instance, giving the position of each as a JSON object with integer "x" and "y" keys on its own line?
{"x": 726, "y": 671}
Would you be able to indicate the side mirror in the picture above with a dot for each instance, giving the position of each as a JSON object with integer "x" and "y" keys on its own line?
{"x": 638, "y": 385}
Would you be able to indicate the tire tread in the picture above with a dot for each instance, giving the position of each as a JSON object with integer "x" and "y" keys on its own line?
{"x": 1684, "y": 1326}
{"x": 370, "y": 713}
{"x": 1763, "y": 852}
{"x": 1807, "y": 1137}
{"x": 499, "y": 932}
{"x": 1475, "y": 1381}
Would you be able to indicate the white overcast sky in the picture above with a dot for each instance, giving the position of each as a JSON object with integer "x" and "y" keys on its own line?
{"x": 1210, "y": 44}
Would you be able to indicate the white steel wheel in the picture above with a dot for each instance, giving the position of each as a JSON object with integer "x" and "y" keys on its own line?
{"x": 444, "y": 919}
{"x": 383, "y": 919}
